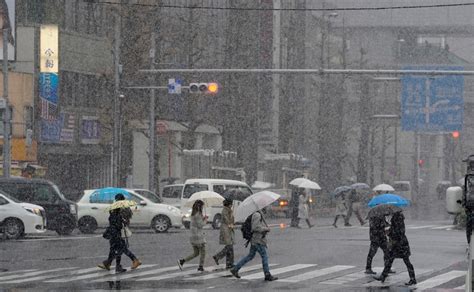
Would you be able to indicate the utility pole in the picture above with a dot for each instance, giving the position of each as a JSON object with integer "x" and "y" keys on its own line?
{"x": 6, "y": 113}
{"x": 116, "y": 133}
{"x": 152, "y": 122}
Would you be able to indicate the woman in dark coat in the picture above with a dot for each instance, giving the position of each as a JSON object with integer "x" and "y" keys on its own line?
{"x": 377, "y": 240}
{"x": 398, "y": 248}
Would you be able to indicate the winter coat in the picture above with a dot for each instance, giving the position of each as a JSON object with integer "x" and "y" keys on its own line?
{"x": 398, "y": 242}
{"x": 226, "y": 235}
{"x": 259, "y": 229}
{"x": 377, "y": 230}
{"x": 341, "y": 208}
{"x": 303, "y": 212}
{"x": 197, "y": 233}
{"x": 115, "y": 227}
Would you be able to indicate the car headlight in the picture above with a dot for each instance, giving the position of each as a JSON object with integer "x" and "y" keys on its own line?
{"x": 33, "y": 210}
{"x": 72, "y": 207}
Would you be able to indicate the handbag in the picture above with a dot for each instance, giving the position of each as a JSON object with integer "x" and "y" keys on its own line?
{"x": 107, "y": 233}
{"x": 126, "y": 232}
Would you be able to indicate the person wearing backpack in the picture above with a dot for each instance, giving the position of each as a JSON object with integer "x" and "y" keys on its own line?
{"x": 198, "y": 241}
{"x": 226, "y": 235}
{"x": 256, "y": 228}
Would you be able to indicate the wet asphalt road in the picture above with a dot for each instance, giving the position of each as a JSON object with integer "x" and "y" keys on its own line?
{"x": 318, "y": 259}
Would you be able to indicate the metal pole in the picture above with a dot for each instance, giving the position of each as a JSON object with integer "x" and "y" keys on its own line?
{"x": 382, "y": 164}
{"x": 417, "y": 171}
{"x": 152, "y": 122}
{"x": 116, "y": 133}
{"x": 6, "y": 114}
{"x": 395, "y": 150}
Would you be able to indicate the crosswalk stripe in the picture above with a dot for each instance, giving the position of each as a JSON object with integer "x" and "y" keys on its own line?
{"x": 400, "y": 276}
{"x": 440, "y": 279}
{"x": 444, "y": 227}
{"x": 225, "y": 273}
{"x": 421, "y": 227}
{"x": 315, "y": 273}
{"x": 16, "y": 272}
{"x": 350, "y": 277}
{"x": 278, "y": 271}
{"x": 39, "y": 278}
{"x": 31, "y": 274}
{"x": 140, "y": 274}
{"x": 98, "y": 274}
{"x": 177, "y": 274}
{"x": 463, "y": 287}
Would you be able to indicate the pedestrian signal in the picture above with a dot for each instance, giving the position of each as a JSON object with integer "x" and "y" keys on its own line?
{"x": 455, "y": 134}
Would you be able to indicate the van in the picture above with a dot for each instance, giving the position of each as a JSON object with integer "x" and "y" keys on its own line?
{"x": 61, "y": 214}
{"x": 403, "y": 188}
{"x": 171, "y": 195}
{"x": 219, "y": 186}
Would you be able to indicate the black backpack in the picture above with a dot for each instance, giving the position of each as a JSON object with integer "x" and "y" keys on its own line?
{"x": 247, "y": 228}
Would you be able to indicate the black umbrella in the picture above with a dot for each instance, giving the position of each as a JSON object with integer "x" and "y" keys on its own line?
{"x": 383, "y": 210}
{"x": 234, "y": 194}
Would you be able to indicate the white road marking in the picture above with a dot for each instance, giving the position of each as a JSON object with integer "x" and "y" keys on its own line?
{"x": 178, "y": 274}
{"x": 444, "y": 227}
{"x": 225, "y": 273}
{"x": 315, "y": 273}
{"x": 440, "y": 279}
{"x": 16, "y": 272}
{"x": 351, "y": 277}
{"x": 421, "y": 227}
{"x": 59, "y": 238}
{"x": 139, "y": 274}
{"x": 31, "y": 274}
{"x": 463, "y": 287}
{"x": 49, "y": 276}
{"x": 401, "y": 276}
{"x": 278, "y": 271}
{"x": 99, "y": 273}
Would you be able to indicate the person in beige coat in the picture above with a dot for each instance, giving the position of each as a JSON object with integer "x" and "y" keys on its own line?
{"x": 226, "y": 236}
{"x": 198, "y": 241}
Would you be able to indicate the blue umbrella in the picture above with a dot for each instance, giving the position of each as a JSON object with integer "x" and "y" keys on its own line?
{"x": 340, "y": 190}
{"x": 108, "y": 194}
{"x": 391, "y": 199}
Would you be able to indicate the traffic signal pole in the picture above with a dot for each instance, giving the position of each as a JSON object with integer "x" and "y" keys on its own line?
{"x": 152, "y": 122}
{"x": 6, "y": 113}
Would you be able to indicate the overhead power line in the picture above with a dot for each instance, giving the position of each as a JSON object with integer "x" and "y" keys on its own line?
{"x": 295, "y": 9}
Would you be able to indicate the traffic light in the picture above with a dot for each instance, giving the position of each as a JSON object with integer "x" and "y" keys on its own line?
{"x": 211, "y": 88}
{"x": 421, "y": 162}
{"x": 455, "y": 134}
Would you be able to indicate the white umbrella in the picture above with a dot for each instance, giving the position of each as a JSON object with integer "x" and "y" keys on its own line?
{"x": 309, "y": 184}
{"x": 297, "y": 181}
{"x": 262, "y": 185}
{"x": 209, "y": 198}
{"x": 384, "y": 188}
{"x": 254, "y": 203}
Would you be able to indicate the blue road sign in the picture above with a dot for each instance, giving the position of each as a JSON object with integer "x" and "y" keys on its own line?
{"x": 174, "y": 86}
{"x": 432, "y": 103}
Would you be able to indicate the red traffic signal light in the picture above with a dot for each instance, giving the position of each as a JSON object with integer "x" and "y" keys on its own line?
{"x": 421, "y": 162}
{"x": 455, "y": 134}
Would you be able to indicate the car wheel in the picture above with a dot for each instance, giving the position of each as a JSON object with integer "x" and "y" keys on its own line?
{"x": 161, "y": 224}
{"x": 65, "y": 228}
{"x": 216, "y": 222}
{"x": 187, "y": 224}
{"x": 87, "y": 225}
{"x": 13, "y": 228}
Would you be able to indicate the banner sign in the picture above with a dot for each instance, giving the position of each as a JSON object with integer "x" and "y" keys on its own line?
{"x": 49, "y": 67}
{"x": 90, "y": 130}
{"x": 60, "y": 130}
{"x": 7, "y": 20}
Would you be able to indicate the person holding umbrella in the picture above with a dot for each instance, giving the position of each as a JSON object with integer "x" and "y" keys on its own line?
{"x": 226, "y": 235}
{"x": 399, "y": 248}
{"x": 378, "y": 240}
{"x": 119, "y": 218}
{"x": 341, "y": 209}
{"x": 255, "y": 205}
{"x": 198, "y": 242}
{"x": 303, "y": 209}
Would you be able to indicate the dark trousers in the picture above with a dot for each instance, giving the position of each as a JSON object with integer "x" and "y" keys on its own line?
{"x": 228, "y": 253}
{"x": 374, "y": 246}
{"x": 469, "y": 224}
{"x": 388, "y": 265}
{"x": 117, "y": 248}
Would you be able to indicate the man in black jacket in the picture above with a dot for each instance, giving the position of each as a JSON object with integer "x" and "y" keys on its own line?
{"x": 377, "y": 240}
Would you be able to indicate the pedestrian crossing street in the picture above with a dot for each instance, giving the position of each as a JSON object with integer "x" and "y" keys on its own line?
{"x": 310, "y": 274}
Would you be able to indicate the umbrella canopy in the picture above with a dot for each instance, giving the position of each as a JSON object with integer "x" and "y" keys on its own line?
{"x": 391, "y": 199}
{"x": 384, "y": 188}
{"x": 309, "y": 184}
{"x": 262, "y": 185}
{"x": 121, "y": 204}
{"x": 339, "y": 190}
{"x": 209, "y": 198}
{"x": 108, "y": 194}
{"x": 360, "y": 186}
{"x": 235, "y": 195}
{"x": 383, "y": 210}
{"x": 255, "y": 203}
{"x": 297, "y": 181}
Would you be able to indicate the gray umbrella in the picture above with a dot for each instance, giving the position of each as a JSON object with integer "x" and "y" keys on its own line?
{"x": 339, "y": 190}
{"x": 383, "y": 210}
{"x": 360, "y": 186}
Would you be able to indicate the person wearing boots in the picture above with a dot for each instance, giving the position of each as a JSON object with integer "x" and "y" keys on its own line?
{"x": 377, "y": 240}
{"x": 399, "y": 248}
{"x": 198, "y": 241}
{"x": 118, "y": 246}
{"x": 226, "y": 236}
{"x": 258, "y": 244}
{"x": 303, "y": 209}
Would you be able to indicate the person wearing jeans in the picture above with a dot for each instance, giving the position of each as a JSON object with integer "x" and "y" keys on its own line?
{"x": 258, "y": 244}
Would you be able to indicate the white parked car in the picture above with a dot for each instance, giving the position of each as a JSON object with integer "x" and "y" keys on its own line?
{"x": 149, "y": 212}
{"x": 18, "y": 219}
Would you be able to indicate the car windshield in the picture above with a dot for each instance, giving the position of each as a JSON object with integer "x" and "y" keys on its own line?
{"x": 193, "y": 188}
{"x": 150, "y": 196}
{"x": 10, "y": 198}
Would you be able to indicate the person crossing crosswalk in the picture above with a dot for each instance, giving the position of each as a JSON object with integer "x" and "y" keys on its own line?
{"x": 293, "y": 274}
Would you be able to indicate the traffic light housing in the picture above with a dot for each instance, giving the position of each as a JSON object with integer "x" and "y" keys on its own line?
{"x": 209, "y": 88}
{"x": 455, "y": 134}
